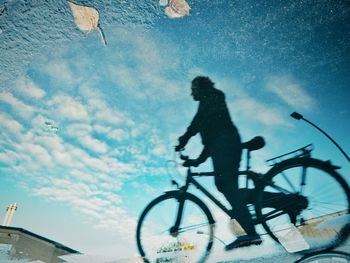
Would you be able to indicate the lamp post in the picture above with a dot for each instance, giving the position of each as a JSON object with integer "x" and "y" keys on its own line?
{"x": 298, "y": 116}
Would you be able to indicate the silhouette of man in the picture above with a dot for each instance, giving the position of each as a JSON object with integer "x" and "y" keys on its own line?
{"x": 222, "y": 143}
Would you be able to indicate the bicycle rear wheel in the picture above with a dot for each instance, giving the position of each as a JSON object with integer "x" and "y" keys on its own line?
{"x": 326, "y": 257}
{"x": 195, "y": 236}
{"x": 310, "y": 205}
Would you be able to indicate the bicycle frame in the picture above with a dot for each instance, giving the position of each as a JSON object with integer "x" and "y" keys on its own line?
{"x": 190, "y": 180}
{"x": 255, "y": 177}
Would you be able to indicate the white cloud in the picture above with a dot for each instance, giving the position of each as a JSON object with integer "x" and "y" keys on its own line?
{"x": 52, "y": 143}
{"x": 126, "y": 79}
{"x": 64, "y": 159}
{"x": 118, "y": 135}
{"x": 100, "y": 207}
{"x": 86, "y": 160}
{"x": 252, "y": 109}
{"x": 159, "y": 150}
{"x": 10, "y": 125}
{"x": 151, "y": 74}
{"x": 88, "y": 91}
{"x": 17, "y": 105}
{"x": 38, "y": 153}
{"x": 101, "y": 129}
{"x": 106, "y": 115}
{"x": 81, "y": 132}
{"x": 158, "y": 147}
{"x": 59, "y": 69}
{"x": 247, "y": 107}
{"x": 84, "y": 176}
{"x": 290, "y": 92}
{"x": 115, "y": 199}
{"x": 139, "y": 130}
{"x": 69, "y": 108}
{"x": 27, "y": 87}
{"x": 93, "y": 144}
{"x": 101, "y": 112}
{"x": 118, "y": 167}
{"x": 110, "y": 182}
{"x": 8, "y": 157}
{"x": 77, "y": 130}
{"x": 44, "y": 150}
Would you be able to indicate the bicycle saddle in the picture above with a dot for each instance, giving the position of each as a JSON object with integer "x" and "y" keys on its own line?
{"x": 256, "y": 143}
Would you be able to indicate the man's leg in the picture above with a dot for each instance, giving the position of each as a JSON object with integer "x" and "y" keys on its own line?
{"x": 291, "y": 204}
{"x": 226, "y": 159}
{"x": 229, "y": 188}
{"x": 273, "y": 200}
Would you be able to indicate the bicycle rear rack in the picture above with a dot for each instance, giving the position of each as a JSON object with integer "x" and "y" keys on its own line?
{"x": 298, "y": 153}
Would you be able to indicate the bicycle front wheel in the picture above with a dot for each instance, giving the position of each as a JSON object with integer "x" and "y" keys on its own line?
{"x": 305, "y": 205}
{"x": 326, "y": 257}
{"x": 193, "y": 240}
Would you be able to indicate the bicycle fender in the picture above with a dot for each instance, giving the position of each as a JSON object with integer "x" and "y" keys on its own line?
{"x": 332, "y": 166}
{"x": 195, "y": 199}
{"x": 327, "y": 165}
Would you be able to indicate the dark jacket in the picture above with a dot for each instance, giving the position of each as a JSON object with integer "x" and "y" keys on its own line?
{"x": 211, "y": 121}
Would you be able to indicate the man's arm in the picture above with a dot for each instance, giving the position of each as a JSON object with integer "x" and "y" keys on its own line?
{"x": 201, "y": 159}
{"x": 204, "y": 155}
{"x": 192, "y": 130}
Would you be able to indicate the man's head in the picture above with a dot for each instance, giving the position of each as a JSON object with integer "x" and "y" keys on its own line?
{"x": 200, "y": 87}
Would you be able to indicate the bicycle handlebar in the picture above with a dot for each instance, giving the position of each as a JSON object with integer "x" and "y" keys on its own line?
{"x": 203, "y": 174}
{"x": 184, "y": 157}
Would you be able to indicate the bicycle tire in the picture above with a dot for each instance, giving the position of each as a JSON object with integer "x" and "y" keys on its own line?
{"x": 307, "y": 222}
{"x": 155, "y": 248}
{"x": 325, "y": 257}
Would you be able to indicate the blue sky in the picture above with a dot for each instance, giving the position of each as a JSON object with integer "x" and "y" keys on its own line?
{"x": 119, "y": 108}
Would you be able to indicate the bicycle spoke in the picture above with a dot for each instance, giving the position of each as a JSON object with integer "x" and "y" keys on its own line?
{"x": 289, "y": 182}
{"x": 340, "y": 207}
{"x": 280, "y": 189}
{"x": 192, "y": 227}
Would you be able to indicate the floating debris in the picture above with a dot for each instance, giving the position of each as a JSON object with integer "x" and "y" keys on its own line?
{"x": 163, "y": 2}
{"x": 50, "y": 127}
{"x": 2, "y": 10}
{"x": 86, "y": 18}
{"x": 177, "y": 9}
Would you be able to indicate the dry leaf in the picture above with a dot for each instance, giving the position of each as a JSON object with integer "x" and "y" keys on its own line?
{"x": 86, "y": 18}
{"x": 177, "y": 8}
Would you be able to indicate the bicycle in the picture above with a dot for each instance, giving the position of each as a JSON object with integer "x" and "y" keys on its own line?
{"x": 282, "y": 199}
{"x": 327, "y": 256}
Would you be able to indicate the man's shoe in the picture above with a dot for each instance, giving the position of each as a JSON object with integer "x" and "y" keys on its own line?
{"x": 244, "y": 241}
